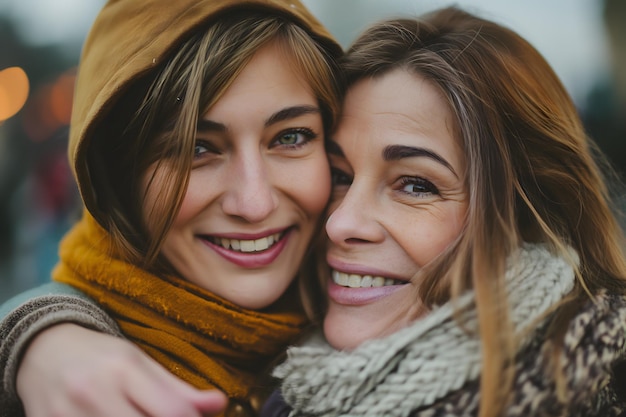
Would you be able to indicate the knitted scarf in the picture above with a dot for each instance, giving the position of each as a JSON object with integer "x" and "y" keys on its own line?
{"x": 423, "y": 362}
{"x": 205, "y": 340}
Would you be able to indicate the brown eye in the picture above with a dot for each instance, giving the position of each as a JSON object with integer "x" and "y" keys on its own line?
{"x": 418, "y": 186}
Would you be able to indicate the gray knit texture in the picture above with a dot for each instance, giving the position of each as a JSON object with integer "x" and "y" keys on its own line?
{"x": 423, "y": 363}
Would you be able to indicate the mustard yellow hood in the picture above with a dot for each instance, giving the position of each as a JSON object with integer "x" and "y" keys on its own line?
{"x": 130, "y": 38}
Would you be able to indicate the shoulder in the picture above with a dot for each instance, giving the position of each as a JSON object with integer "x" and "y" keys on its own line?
{"x": 38, "y": 308}
{"x": 594, "y": 346}
{"x": 581, "y": 375}
{"x": 51, "y": 289}
{"x": 596, "y": 335}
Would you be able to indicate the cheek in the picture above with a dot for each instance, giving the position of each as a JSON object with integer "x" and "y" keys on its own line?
{"x": 431, "y": 235}
{"x": 308, "y": 184}
{"x": 201, "y": 189}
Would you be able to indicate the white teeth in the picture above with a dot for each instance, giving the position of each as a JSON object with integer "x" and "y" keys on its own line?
{"x": 249, "y": 245}
{"x": 340, "y": 278}
{"x": 354, "y": 281}
{"x": 378, "y": 282}
{"x": 360, "y": 281}
{"x": 261, "y": 244}
{"x": 366, "y": 281}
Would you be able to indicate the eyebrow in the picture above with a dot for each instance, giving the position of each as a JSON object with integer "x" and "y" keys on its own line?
{"x": 205, "y": 125}
{"x": 290, "y": 113}
{"x": 398, "y": 152}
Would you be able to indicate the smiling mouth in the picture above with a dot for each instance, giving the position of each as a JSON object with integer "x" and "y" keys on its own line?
{"x": 246, "y": 246}
{"x": 362, "y": 281}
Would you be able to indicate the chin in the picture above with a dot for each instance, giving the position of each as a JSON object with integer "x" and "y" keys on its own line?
{"x": 344, "y": 336}
{"x": 255, "y": 300}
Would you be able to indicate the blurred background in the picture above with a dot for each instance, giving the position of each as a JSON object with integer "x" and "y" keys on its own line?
{"x": 40, "y": 43}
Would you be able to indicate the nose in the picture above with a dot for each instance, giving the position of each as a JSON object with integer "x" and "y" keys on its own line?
{"x": 250, "y": 193}
{"x": 354, "y": 219}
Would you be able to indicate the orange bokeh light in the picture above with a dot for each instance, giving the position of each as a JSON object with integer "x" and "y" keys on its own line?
{"x": 61, "y": 97}
{"x": 50, "y": 107}
{"x": 14, "y": 87}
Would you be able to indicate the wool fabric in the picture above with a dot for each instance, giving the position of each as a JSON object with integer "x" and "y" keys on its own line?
{"x": 205, "y": 340}
{"x": 416, "y": 366}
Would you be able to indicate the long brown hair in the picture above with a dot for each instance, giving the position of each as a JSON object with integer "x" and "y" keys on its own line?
{"x": 156, "y": 120}
{"x": 531, "y": 176}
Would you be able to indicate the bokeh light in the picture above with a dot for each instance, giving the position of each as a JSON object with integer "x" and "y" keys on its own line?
{"x": 50, "y": 107}
{"x": 14, "y": 88}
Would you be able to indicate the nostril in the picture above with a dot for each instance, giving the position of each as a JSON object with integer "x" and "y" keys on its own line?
{"x": 354, "y": 240}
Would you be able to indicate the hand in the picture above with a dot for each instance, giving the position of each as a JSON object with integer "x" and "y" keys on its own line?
{"x": 71, "y": 371}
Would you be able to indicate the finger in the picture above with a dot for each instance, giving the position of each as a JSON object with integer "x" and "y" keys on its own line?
{"x": 85, "y": 403}
{"x": 158, "y": 393}
{"x": 210, "y": 401}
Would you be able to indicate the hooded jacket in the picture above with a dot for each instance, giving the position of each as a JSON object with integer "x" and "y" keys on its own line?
{"x": 129, "y": 39}
{"x": 132, "y": 37}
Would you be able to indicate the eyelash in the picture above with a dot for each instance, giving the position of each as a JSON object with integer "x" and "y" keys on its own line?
{"x": 340, "y": 178}
{"x": 203, "y": 144}
{"x": 308, "y": 134}
{"x": 427, "y": 186}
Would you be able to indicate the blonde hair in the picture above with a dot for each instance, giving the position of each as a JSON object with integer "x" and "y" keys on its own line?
{"x": 531, "y": 171}
{"x": 156, "y": 120}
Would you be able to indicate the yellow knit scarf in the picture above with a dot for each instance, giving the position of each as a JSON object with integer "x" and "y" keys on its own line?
{"x": 205, "y": 340}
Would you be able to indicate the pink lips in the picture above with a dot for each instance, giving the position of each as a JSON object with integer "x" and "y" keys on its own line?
{"x": 251, "y": 259}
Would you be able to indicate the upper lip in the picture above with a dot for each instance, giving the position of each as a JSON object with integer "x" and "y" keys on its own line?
{"x": 352, "y": 268}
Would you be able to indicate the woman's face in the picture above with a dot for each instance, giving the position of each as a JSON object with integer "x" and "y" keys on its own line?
{"x": 398, "y": 201}
{"x": 259, "y": 184}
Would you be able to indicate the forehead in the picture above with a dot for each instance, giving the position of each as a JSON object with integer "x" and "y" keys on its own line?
{"x": 399, "y": 107}
{"x": 268, "y": 82}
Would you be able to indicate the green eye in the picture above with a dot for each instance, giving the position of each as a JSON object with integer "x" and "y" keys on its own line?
{"x": 291, "y": 138}
{"x": 294, "y": 138}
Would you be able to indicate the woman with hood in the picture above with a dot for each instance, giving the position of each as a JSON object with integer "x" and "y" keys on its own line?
{"x": 198, "y": 144}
